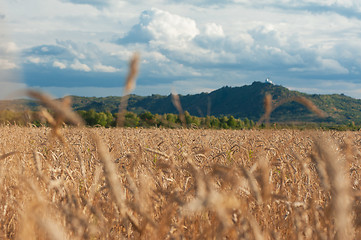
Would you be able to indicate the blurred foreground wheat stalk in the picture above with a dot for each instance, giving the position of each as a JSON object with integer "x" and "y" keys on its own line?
{"x": 128, "y": 88}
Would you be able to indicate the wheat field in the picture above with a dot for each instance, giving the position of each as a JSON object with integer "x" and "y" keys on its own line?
{"x": 178, "y": 184}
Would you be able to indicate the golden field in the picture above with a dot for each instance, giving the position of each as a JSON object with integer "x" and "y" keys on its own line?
{"x": 179, "y": 184}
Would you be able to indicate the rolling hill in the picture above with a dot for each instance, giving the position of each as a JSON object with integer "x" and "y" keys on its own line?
{"x": 241, "y": 102}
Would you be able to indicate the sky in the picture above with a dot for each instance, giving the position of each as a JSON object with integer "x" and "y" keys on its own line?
{"x": 83, "y": 47}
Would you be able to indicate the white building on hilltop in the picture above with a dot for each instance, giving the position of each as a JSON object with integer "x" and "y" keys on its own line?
{"x": 268, "y": 81}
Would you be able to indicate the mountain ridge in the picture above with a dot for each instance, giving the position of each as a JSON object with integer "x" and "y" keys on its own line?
{"x": 241, "y": 102}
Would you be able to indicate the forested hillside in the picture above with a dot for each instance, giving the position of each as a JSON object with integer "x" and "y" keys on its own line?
{"x": 241, "y": 102}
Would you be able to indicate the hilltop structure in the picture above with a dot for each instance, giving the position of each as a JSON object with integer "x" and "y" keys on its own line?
{"x": 268, "y": 81}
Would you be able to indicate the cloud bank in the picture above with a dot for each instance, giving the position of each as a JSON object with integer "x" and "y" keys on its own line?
{"x": 213, "y": 43}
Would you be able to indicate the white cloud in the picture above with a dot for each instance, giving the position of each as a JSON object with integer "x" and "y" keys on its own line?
{"x": 11, "y": 47}
{"x": 154, "y": 56}
{"x": 35, "y": 60}
{"x": 214, "y": 30}
{"x": 77, "y": 56}
{"x": 44, "y": 49}
{"x": 162, "y": 29}
{"x": 77, "y": 50}
{"x": 7, "y": 65}
{"x": 8, "y": 49}
{"x": 80, "y": 66}
{"x": 102, "y": 68}
{"x": 261, "y": 45}
{"x": 166, "y": 26}
{"x": 323, "y": 66}
{"x": 332, "y": 66}
{"x": 59, "y": 65}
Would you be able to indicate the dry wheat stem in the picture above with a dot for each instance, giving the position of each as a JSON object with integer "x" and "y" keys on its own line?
{"x": 177, "y": 104}
{"x": 269, "y": 108}
{"x": 279, "y": 194}
{"x": 128, "y": 87}
{"x": 60, "y": 109}
{"x": 339, "y": 182}
{"x": 113, "y": 182}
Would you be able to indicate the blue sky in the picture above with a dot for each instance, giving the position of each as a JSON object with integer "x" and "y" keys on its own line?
{"x": 82, "y": 47}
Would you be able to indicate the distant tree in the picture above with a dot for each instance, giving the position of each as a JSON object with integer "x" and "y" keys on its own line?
{"x": 188, "y": 117}
{"x": 172, "y": 118}
{"x": 90, "y": 117}
{"x": 247, "y": 123}
{"x": 206, "y": 122}
{"x": 252, "y": 124}
{"x": 232, "y": 123}
{"x": 131, "y": 120}
{"x": 147, "y": 118}
{"x": 101, "y": 119}
{"x": 110, "y": 119}
{"x": 224, "y": 122}
{"x": 240, "y": 124}
{"x": 214, "y": 122}
{"x": 196, "y": 121}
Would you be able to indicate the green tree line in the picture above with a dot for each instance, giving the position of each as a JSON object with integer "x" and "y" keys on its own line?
{"x": 146, "y": 119}
{"x": 169, "y": 120}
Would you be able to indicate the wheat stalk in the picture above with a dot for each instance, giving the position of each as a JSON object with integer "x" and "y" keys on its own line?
{"x": 128, "y": 87}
